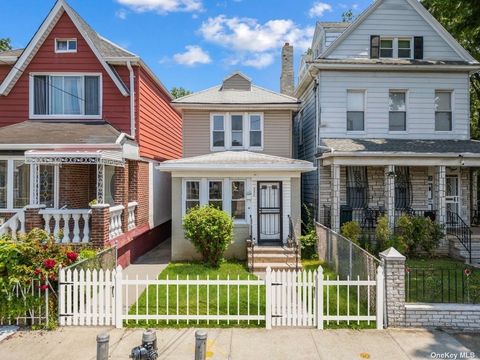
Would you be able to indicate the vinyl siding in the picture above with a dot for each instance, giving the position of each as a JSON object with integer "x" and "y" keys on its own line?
{"x": 307, "y": 150}
{"x": 159, "y": 125}
{"x": 14, "y": 107}
{"x": 236, "y": 82}
{"x": 420, "y": 103}
{"x": 277, "y": 132}
{"x": 394, "y": 18}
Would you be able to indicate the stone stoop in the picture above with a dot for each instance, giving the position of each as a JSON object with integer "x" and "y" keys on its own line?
{"x": 275, "y": 257}
{"x": 458, "y": 251}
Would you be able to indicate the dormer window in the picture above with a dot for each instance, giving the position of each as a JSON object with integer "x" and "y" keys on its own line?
{"x": 65, "y": 45}
{"x": 65, "y": 96}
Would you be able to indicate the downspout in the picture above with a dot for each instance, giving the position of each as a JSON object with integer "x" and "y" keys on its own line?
{"x": 132, "y": 99}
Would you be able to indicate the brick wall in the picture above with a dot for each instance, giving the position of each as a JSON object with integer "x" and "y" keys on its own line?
{"x": 462, "y": 317}
{"x": 77, "y": 188}
{"x": 142, "y": 193}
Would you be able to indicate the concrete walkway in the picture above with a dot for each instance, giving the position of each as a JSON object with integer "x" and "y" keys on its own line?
{"x": 150, "y": 264}
{"x": 239, "y": 344}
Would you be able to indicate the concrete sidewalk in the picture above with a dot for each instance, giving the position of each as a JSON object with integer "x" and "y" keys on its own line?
{"x": 238, "y": 344}
{"x": 150, "y": 264}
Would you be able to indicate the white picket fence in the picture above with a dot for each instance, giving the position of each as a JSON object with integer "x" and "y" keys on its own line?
{"x": 287, "y": 299}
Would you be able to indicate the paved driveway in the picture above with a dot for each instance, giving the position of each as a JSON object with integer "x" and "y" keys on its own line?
{"x": 232, "y": 344}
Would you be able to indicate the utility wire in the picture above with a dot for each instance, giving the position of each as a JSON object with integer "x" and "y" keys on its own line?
{"x": 48, "y": 82}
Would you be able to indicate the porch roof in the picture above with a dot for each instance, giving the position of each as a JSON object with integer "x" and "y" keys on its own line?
{"x": 75, "y": 156}
{"x": 406, "y": 151}
{"x": 237, "y": 161}
{"x": 27, "y": 134}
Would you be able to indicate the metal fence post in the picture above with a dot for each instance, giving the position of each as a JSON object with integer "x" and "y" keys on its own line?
{"x": 102, "y": 346}
{"x": 380, "y": 297}
{"x": 118, "y": 298}
{"x": 319, "y": 294}
{"x": 268, "y": 300}
{"x": 200, "y": 345}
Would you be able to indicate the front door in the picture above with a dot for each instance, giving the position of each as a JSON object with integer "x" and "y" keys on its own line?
{"x": 452, "y": 194}
{"x": 270, "y": 212}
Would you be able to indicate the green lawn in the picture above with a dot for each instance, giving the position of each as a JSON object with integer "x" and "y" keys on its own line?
{"x": 441, "y": 280}
{"x": 238, "y": 298}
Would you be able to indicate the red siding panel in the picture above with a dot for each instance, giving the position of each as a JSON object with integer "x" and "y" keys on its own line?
{"x": 116, "y": 107}
{"x": 159, "y": 125}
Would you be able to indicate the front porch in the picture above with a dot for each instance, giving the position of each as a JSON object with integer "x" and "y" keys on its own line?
{"x": 81, "y": 196}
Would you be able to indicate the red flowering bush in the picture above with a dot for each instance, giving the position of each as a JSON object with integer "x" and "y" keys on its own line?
{"x": 72, "y": 256}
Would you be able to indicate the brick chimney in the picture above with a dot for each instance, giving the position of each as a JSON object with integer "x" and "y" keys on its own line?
{"x": 287, "y": 85}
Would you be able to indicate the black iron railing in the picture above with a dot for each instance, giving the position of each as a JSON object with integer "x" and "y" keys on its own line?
{"x": 293, "y": 241}
{"x": 442, "y": 285}
{"x": 458, "y": 228}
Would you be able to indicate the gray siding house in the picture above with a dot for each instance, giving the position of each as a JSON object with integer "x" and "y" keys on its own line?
{"x": 238, "y": 155}
{"x": 385, "y": 118}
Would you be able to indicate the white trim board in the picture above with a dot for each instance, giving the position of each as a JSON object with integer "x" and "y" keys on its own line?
{"x": 38, "y": 39}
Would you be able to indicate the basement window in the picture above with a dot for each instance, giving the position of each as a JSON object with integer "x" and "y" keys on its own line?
{"x": 65, "y": 45}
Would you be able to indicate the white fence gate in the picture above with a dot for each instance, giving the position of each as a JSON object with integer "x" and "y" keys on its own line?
{"x": 284, "y": 298}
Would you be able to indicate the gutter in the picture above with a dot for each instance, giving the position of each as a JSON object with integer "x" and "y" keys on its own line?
{"x": 132, "y": 99}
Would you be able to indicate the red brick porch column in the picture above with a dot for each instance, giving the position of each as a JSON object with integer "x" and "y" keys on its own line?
{"x": 100, "y": 225}
{"x": 121, "y": 193}
{"x": 32, "y": 217}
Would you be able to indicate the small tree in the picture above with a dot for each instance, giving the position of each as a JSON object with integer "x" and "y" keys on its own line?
{"x": 211, "y": 231}
{"x": 178, "y": 92}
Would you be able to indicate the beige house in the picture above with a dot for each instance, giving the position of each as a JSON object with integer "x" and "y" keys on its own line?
{"x": 237, "y": 144}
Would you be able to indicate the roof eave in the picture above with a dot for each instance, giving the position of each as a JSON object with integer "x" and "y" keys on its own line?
{"x": 397, "y": 154}
{"x": 259, "y": 167}
{"x": 397, "y": 67}
{"x": 216, "y": 106}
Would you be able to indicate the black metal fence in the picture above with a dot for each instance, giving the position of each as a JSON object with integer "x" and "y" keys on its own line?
{"x": 442, "y": 285}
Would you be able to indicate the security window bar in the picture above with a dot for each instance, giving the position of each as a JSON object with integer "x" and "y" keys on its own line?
{"x": 355, "y": 110}
{"x": 397, "y": 111}
{"x": 357, "y": 187}
{"x": 403, "y": 190}
{"x": 443, "y": 110}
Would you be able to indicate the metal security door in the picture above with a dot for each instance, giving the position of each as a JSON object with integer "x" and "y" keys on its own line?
{"x": 452, "y": 194}
{"x": 270, "y": 212}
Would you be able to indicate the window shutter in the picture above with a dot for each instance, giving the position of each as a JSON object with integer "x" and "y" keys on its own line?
{"x": 418, "y": 47}
{"x": 375, "y": 47}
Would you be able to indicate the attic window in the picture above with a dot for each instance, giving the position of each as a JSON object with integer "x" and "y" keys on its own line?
{"x": 65, "y": 45}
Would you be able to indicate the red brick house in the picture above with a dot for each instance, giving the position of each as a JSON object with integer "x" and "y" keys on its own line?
{"x": 83, "y": 123}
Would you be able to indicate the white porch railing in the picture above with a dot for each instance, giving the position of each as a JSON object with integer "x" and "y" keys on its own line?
{"x": 116, "y": 221}
{"x": 68, "y": 226}
{"x": 14, "y": 225}
{"x": 132, "y": 206}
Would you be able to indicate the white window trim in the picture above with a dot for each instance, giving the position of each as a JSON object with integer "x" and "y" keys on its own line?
{"x": 407, "y": 106}
{"x": 227, "y": 116}
{"x": 10, "y": 169}
{"x": 209, "y": 180}
{"x": 357, "y": 132}
{"x": 395, "y": 40}
{"x": 31, "y": 101}
{"x": 226, "y": 195}
{"x": 67, "y": 40}
{"x": 452, "y": 110}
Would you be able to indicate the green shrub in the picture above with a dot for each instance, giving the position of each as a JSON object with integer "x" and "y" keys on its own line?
{"x": 210, "y": 230}
{"x": 308, "y": 245}
{"x": 383, "y": 234}
{"x": 352, "y": 231}
{"x": 419, "y": 232}
{"x": 87, "y": 254}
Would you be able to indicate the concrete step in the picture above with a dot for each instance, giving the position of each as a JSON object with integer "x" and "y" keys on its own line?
{"x": 262, "y": 267}
{"x": 271, "y": 250}
{"x": 273, "y": 258}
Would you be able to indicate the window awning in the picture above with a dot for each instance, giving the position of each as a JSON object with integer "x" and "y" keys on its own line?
{"x": 75, "y": 156}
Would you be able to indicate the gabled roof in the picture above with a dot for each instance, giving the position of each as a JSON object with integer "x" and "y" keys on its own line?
{"x": 429, "y": 18}
{"x": 236, "y": 161}
{"x": 218, "y": 96}
{"x": 100, "y": 47}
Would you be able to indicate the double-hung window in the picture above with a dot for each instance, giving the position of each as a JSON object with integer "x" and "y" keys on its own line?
{"x": 255, "y": 130}
{"x": 215, "y": 194}
{"x": 398, "y": 111}
{"x": 404, "y": 48}
{"x": 14, "y": 184}
{"x": 192, "y": 194}
{"x": 443, "y": 110}
{"x": 386, "y": 48}
{"x": 396, "y": 47}
{"x": 355, "y": 110}
{"x": 236, "y": 131}
{"x": 65, "y": 45}
{"x": 65, "y": 95}
{"x": 238, "y": 199}
{"x": 218, "y": 131}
